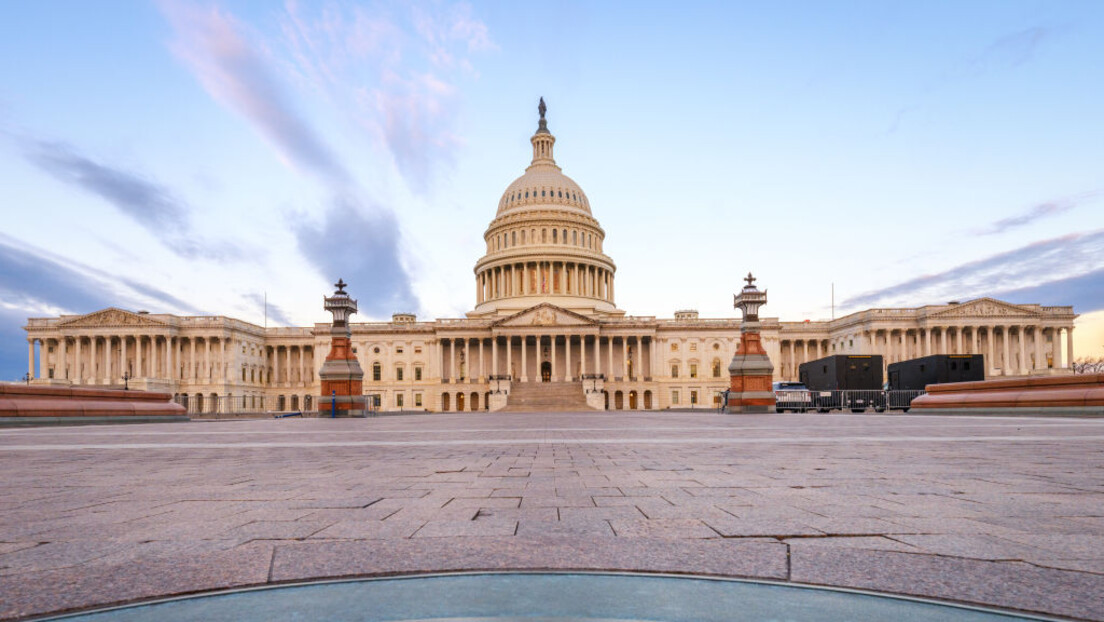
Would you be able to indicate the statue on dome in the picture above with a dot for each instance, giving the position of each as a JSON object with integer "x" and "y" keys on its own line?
{"x": 542, "y": 108}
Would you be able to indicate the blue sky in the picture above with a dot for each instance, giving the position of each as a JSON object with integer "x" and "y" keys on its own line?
{"x": 194, "y": 157}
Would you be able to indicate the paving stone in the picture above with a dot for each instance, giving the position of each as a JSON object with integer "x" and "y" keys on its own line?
{"x": 894, "y": 511}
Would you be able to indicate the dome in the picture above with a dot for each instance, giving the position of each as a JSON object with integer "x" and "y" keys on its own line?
{"x": 541, "y": 187}
{"x": 544, "y": 246}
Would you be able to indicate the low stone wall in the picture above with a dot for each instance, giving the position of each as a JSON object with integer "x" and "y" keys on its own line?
{"x": 27, "y": 404}
{"x": 1053, "y": 395}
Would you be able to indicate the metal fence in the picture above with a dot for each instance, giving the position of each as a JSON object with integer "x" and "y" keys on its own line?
{"x": 855, "y": 401}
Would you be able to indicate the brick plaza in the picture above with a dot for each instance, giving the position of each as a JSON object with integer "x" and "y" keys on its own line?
{"x": 1007, "y": 512}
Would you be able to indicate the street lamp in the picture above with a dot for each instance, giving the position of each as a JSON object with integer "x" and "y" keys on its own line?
{"x": 27, "y": 377}
{"x": 126, "y": 380}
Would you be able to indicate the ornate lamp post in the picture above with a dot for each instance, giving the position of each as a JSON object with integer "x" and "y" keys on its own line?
{"x": 126, "y": 380}
{"x": 750, "y": 370}
{"x": 341, "y": 376}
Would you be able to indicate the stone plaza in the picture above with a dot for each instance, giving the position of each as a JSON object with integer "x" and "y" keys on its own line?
{"x": 1005, "y": 512}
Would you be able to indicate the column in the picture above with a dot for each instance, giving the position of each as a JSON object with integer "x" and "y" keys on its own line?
{"x": 552, "y": 345}
{"x": 525, "y": 358}
{"x": 958, "y": 341}
{"x": 79, "y": 371}
{"x": 193, "y": 371}
{"x": 482, "y": 361}
{"x": 1023, "y": 351}
{"x": 287, "y": 364}
{"x": 1069, "y": 346}
{"x": 804, "y": 350}
{"x": 107, "y": 360}
{"x": 166, "y": 352}
{"x": 30, "y": 357}
{"x": 92, "y": 375}
{"x": 567, "y": 358}
{"x": 1056, "y": 347}
{"x": 63, "y": 358}
{"x": 990, "y": 349}
{"x": 138, "y": 356}
{"x": 597, "y": 354}
{"x": 582, "y": 356}
{"x": 452, "y": 361}
{"x": 793, "y": 360}
{"x": 509, "y": 356}
{"x": 943, "y": 340}
{"x": 1037, "y": 334}
{"x": 122, "y": 357}
{"x": 927, "y": 341}
{"x": 1006, "y": 365}
{"x": 494, "y": 355}
{"x": 609, "y": 342}
{"x": 640, "y": 367}
{"x": 303, "y": 365}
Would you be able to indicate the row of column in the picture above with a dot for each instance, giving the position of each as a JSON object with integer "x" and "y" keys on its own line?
{"x": 617, "y": 357}
{"x": 106, "y": 359}
{"x": 1014, "y": 356}
{"x": 111, "y": 357}
{"x": 544, "y": 277}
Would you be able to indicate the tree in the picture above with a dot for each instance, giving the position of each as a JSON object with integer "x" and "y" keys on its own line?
{"x": 1088, "y": 365}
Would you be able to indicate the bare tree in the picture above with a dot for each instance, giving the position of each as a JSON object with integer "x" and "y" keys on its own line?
{"x": 1088, "y": 365}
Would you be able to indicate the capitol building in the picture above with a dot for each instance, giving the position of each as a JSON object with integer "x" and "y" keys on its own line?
{"x": 545, "y": 333}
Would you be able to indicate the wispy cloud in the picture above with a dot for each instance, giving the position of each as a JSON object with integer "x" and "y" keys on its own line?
{"x": 234, "y": 72}
{"x": 361, "y": 246}
{"x": 1040, "y": 211}
{"x": 394, "y": 71}
{"x": 1006, "y": 52}
{"x": 1042, "y": 262}
{"x": 34, "y": 282}
{"x": 389, "y": 68}
{"x": 150, "y": 204}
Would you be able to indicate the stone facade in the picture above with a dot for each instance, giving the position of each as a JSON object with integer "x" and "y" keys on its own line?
{"x": 545, "y": 310}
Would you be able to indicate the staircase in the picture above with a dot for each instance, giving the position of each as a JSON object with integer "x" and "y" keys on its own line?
{"x": 546, "y": 396}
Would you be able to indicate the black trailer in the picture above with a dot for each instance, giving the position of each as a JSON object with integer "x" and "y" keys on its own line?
{"x": 915, "y": 374}
{"x": 845, "y": 381}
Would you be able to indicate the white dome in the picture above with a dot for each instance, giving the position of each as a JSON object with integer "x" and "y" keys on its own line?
{"x": 543, "y": 186}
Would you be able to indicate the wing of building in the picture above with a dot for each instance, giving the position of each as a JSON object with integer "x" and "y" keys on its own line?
{"x": 545, "y": 334}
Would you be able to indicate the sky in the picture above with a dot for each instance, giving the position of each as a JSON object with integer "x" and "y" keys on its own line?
{"x": 236, "y": 158}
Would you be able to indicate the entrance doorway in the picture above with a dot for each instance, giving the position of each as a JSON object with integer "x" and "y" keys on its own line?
{"x": 546, "y": 372}
{"x": 632, "y": 400}
{"x": 459, "y": 402}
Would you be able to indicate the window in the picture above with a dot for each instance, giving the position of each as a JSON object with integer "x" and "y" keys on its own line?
{"x": 554, "y": 232}
{"x": 376, "y": 372}
{"x": 716, "y": 369}
{"x": 418, "y": 373}
{"x": 716, "y": 346}
{"x": 399, "y": 350}
{"x": 399, "y": 400}
{"x": 674, "y": 347}
{"x": 418, "y": 400}
{"x": 375, "y": 350}
{"x": 674, "y": 398}
{"x": 398, "y": 373}
{"x": 693, "y": 346}
{"x": 693, "y": 397}
{"x": 513, "y": 238}
{"x": 417, "y": 349}
{"x": 674, "y": 371}
{"x": 693, "y": 370}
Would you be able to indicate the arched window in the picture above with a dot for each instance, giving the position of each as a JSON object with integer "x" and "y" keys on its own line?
{"x": 526, "y": 194}
{"x": 544, "y": 235}
{"x": 560, "y": 193}
{"x": 575, "y": 238}
{"x": 523, "y": 236}
{"x": 542, "y": 193}
{"x": 716, "y": 368}
{"x": 377, "y": 371}
{"x": 553, "y": 236}
{"x": 564, "y": 238}
{"x": 513, "y": 238}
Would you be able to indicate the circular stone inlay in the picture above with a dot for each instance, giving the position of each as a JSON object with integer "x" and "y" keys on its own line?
{"x": 543, "y": 597}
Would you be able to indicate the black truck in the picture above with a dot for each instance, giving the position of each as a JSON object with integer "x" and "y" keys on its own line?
{"x": 915, "y": 374}
{"x": 851, "y": 381}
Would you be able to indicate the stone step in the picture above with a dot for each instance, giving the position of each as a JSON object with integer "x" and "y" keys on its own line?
{"x": 546, "y": 396}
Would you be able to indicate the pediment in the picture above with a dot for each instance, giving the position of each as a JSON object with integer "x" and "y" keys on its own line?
{"x": 984, "y": 307}
{"x": 109, "y": 317}
{"x": 544, "y": 314}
